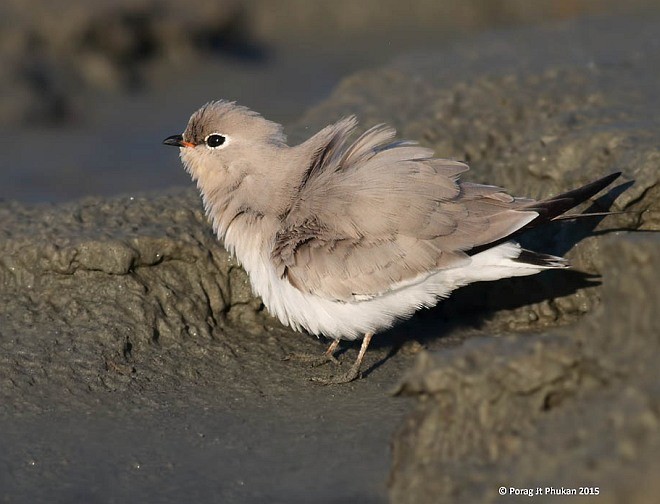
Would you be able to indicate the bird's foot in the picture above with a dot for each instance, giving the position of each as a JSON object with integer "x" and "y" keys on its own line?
{"x": 313, "y": 360}
{"x": 347, "y": 377}
{"x": 351, "y": 374}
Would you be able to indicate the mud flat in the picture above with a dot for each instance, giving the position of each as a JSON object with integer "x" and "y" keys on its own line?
{"x": 135, "y": 364}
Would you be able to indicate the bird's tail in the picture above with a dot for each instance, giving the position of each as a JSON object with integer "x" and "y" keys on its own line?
{"x": 554, "y": 208}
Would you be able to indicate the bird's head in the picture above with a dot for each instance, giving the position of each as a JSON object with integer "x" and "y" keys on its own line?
{"x": 221, "y": 134}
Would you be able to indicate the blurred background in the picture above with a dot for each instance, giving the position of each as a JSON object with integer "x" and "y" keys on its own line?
{"x": 88, "y": 90}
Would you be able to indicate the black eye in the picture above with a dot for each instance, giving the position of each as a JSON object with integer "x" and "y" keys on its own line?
{"x": 214, "y": 140}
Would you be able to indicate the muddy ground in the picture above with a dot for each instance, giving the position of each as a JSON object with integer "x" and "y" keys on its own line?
{"x": 135, "y": 365}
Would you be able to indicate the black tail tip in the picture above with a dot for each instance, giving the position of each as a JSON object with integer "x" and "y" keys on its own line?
{"x": 607, "y": 180}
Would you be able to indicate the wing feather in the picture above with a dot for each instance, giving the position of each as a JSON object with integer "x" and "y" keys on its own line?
{"x": 376, "y": 214}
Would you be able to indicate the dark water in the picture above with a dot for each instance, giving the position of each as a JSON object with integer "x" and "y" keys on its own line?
{"x": 214, "y": 454}
{"x": 115, "y": 146}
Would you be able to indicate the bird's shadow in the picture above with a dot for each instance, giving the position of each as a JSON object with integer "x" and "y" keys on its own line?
{"x": 470, "y": 306}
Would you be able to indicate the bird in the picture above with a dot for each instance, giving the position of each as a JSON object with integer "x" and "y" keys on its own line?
{"x": 344, "y": 235}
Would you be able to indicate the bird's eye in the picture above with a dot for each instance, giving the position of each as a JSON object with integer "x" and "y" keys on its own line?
{"x": 215, "y": 140}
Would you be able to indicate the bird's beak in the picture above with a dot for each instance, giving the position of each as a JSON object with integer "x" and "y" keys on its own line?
{"x": 177, "y": 141}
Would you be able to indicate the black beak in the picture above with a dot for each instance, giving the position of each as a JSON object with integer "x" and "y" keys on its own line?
{"x": 174, "y": 140}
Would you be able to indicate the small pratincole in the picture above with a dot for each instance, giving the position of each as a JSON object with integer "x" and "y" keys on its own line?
{"x": 344, "y": 238}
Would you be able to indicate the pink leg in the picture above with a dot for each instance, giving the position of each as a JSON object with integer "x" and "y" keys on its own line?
{"x": 316, "y": 360}
{"x": 352, "y": 373}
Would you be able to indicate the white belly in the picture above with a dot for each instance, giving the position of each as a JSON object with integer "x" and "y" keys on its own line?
{"x": 351, "y": 320}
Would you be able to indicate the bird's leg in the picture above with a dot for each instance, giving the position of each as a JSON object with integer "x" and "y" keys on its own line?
{"x": 352, "y": 373}
{"x": 317, "y": 360}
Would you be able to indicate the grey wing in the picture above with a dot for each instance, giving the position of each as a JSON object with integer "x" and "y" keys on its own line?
{"x": 377, "y": 214}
